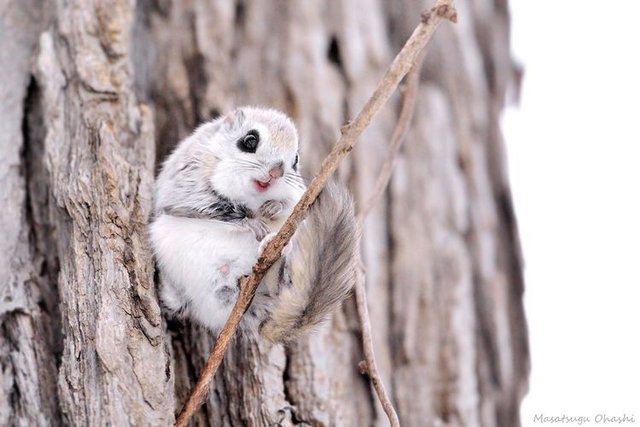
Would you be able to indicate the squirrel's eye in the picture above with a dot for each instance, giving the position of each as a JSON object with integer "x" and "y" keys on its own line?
{"x": 294, "y": 166}
{"x": 249, "y": 142}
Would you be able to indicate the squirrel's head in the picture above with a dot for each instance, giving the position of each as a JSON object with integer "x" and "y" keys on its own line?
{"x": 256, "y": 153}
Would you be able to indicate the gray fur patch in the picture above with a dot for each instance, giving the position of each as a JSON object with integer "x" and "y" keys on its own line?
{"x": 227, "y": 295}
{"x": 220, "y": 208}
{"x": 284, "y": 278}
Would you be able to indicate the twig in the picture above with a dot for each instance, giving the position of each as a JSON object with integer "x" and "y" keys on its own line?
{"x": 369, "y": 365}
{"x": 349, "y": 136}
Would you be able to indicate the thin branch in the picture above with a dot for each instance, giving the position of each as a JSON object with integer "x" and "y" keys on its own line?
{"x": 349, "y": 136}
{"x": 410, "y": 90}
{"x": 369, "y": 365}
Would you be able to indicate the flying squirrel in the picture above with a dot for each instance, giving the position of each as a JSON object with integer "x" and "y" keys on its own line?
{"x": 219, "y": 198}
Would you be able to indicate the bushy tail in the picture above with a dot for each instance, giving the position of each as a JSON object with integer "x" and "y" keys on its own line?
{"x": 320, "y": 268}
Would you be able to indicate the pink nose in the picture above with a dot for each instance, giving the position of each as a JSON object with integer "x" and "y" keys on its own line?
{"x": 276, "y": 171}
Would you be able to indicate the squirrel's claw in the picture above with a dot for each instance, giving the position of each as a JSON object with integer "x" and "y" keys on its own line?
{"x": 271, "y": 209}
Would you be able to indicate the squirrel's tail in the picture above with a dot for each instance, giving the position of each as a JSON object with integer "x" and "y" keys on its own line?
{"x": 319, "y": 268}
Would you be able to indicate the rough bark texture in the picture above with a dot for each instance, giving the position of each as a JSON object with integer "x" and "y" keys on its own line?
{"x": 83, "y": 341}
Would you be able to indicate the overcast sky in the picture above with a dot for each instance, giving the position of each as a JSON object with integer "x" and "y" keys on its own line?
{"x": 574, "y": 160}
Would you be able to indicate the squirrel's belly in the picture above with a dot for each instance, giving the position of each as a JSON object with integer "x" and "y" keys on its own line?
{"x": 200, "y": 256}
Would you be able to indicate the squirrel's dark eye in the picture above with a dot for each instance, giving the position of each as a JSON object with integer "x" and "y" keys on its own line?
{"x": 294, "y": 166}
{"x": 249, "y": 142}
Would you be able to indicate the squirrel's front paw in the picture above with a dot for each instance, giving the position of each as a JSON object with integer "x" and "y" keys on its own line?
{"x": 259, "y": 228}
{"x": 271, "y": 209}
{"x": 269, "y": 237}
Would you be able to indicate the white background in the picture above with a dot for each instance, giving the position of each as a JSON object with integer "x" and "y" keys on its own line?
{"x": 574, "y": 161}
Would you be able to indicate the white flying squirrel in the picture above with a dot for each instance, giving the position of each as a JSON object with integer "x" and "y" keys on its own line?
{"x": 219, "y": 198}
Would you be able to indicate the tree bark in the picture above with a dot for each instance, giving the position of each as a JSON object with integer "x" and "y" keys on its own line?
{"x": 95, "y": 94}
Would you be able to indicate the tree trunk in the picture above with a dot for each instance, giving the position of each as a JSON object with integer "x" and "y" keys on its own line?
{"x": 95, "y": 94}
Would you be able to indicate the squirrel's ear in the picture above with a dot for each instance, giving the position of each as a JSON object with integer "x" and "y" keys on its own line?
{"x": 233, "y": 119}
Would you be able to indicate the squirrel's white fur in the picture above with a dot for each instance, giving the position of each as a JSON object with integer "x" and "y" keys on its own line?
{"x": 217, "y": 197}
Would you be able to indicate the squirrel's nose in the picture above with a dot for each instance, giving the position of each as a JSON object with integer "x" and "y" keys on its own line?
{"x": 277, "y": 170}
